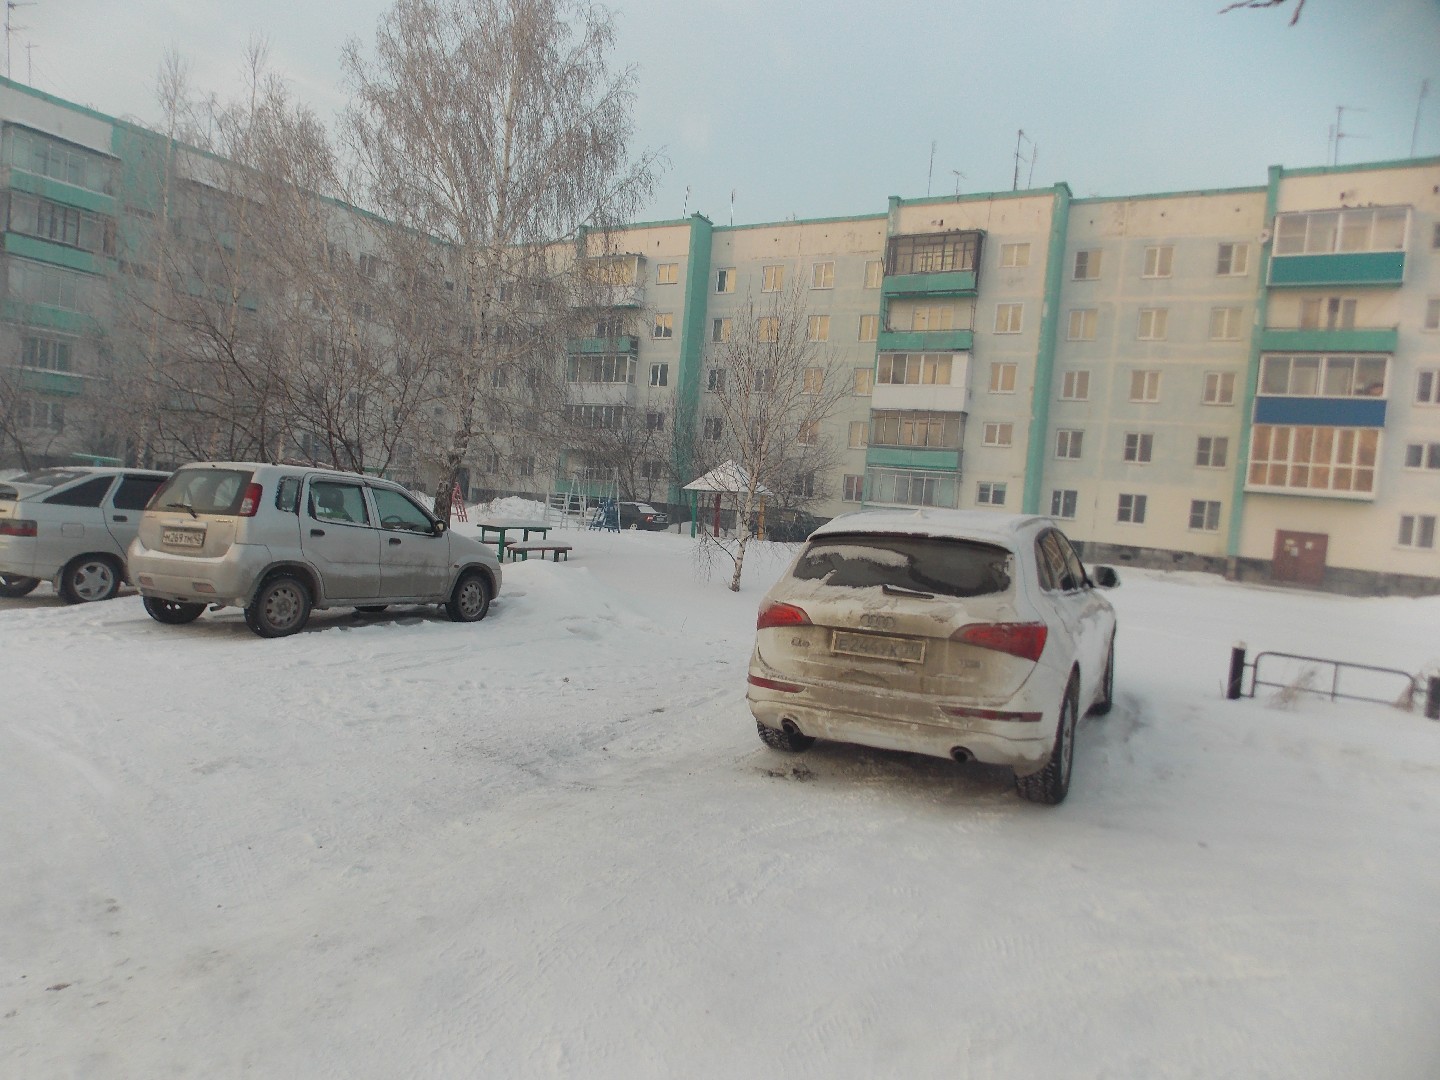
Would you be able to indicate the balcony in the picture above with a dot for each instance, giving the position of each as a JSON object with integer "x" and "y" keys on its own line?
{"x": 1382, "y": 268}
{"x": 1367, "y": 339}
{"x": 944, "y": 283}
{"x": 926, "y": 340}
{"x": 913, "y": 457}
{"x": 627, "y": 343}
{"x": 62, "y": 383}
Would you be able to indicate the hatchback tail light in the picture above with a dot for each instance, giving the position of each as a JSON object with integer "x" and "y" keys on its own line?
{"x": 781, "y": 615}
{"x": 250, "y": 504}
{"x": 17, "y": 527}
{"x": 1023, "y": 639}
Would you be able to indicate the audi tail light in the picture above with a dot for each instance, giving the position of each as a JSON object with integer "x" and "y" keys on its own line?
{"x": 1025, "y": 640}
{"x": 781, "y": 615}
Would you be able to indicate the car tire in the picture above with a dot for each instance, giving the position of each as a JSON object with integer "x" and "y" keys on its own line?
{"x": 470, "y": 599}
{"x": 12, "y": 585}
{"x": 172, "y": 612}
{"x": 1107, "y": 685}
{"x": 780, "y": 739}
{"x": 1051, "y": 784}
{"x": 90, "y": 578}
{"x": 280, "y": 608}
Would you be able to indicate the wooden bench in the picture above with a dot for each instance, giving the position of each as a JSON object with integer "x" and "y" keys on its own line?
{"x": 520, "y": 550}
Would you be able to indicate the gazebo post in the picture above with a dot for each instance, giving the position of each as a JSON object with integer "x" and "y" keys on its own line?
{"x": 715, "y": 529}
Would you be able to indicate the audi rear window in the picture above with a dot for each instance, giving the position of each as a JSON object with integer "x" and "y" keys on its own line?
{"x": 922, "y": 564}
{"x": 203, "y": 491}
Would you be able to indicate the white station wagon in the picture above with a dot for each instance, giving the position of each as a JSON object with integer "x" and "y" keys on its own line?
{"x": 961, "y": 634}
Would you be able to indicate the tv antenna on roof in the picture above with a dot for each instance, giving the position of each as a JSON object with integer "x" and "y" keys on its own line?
{"x": 11, "y": 5}
{"x": 1020, "y": 137}
{"x": 958, "y": 177}
{"x": 1337, "y": 133}
{"x": 930, "y": 173}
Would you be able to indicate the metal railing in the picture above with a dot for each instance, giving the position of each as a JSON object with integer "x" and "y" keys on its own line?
{"x": 1403, "y": 697}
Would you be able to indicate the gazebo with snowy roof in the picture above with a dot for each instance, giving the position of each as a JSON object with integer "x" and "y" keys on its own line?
{"x": 726, "y": 479}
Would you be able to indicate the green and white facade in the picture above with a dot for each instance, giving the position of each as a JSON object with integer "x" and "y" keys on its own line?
{"x": 1244, "y": 380}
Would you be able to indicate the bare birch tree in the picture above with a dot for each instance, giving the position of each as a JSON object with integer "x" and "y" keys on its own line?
{"x": 498, "y": 128}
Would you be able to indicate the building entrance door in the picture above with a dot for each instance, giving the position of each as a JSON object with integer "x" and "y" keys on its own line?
{"x": 1299, "y": 557}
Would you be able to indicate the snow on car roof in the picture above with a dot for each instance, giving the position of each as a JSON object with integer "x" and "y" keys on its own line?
{"x": 982, "y": 525}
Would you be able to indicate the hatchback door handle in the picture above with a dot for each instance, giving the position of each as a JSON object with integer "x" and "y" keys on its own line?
{"x": 394, "y": 541}
{"x": 121, "y": 517}
{"x": 317, "y": 532}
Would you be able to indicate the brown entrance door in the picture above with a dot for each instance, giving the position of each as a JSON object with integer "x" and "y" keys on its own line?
{"x": 1299, "y": 557}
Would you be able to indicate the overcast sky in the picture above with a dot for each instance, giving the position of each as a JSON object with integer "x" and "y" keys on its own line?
{"x": 824, "y": 109}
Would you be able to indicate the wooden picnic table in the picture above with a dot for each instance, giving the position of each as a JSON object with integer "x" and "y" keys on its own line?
{"x": 501, "y": 526}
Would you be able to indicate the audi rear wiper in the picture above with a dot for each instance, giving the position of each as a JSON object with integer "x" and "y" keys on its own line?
{"x": 900, "y": 590}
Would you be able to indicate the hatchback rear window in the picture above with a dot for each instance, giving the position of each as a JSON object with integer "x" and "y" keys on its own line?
{"x": 916, "y": 563}
{"x": 205, "y": 491}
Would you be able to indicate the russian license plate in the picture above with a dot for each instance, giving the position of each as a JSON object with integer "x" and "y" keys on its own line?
{"x": 185, "y": 538}
{"x": 879, "y": 647}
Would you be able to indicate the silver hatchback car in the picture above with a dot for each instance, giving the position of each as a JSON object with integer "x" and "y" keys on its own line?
{"x": 280, "y": 541}
{"x": 71, "y": 526}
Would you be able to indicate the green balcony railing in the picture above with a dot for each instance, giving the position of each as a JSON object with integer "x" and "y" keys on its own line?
{"x": 926, "y": 340}
{"x": 1340, "y": 268}
{"x": 1369, "y": 339}
{"x": 949, "y": 283}
{"x": 626, "y": 343}
{"x": 909, "y": 457}
{"x": 52, "y": 382}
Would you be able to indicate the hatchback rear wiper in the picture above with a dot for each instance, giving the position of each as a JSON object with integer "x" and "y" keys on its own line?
{"x": 182, "y": 506}
{"x": 900, "y": 590}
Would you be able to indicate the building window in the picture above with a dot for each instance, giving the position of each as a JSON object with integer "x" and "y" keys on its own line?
{"x": 933, "y": 253}
{"x": 936, "y": 431}
{"x": 1145, "y": 386}
{"x": 869, "y": 327}
{"x": 1009, "y": 318}
{"x": 989, "y": 493}
{"x": 1158, "y": 260}
{"x": 1219, "y": 388}
{"x": 1432, "y": 313}
{"x": 1212, "y": 451}
{"x": 44, "y": 352}
{"x": 1131, "y": 509}
{"x": 1087, "y": 265}
{"x": 932, "y": 317}
{"x": 819, "y": 328}
{"x": 874, "y": 273}
{"x": 853, "y": 488}
{"x": 1083, "y": 322}
{"x": 720, "y": 330}
{"x": 1328, "y": 312}
{"x": 1422, "y": 456}
{"x": 1068, "y": 443}
{"x": 1075, "y": 386}
{"x": 864, "y": 381}
{"x": 659, "y": 374}
{"x": 1062, "y": 503}
{"x": 1224, "y": 324}
{"x": 998, "y": 434}
{"x": 369, "y": 267}
{"x": 1002, "y": 378}
{"x": 772, "y": 278}
{"x": 1427, "y": 386}
{"x": 715, "y": 380}
{"x": 764, "y": 380}
{"x": 1435, "y": 237}
{"x": 1313, "y": 458}
{"x": 812, "y": 380}
{"x": 652, "y": 470}
{"x": 809, "y": 433}
{"x": 1233, "y": 260}
{"x": 914, "y": 369}
{"x": 822, "y": 275}
{"x": 667, "y": 273}
{"x": 1326, "y": 232}
{"x": 1014, "y": 255}
{"x": 1138, "y": 447}
{"x": 525, "y": 466}
{"x": 600, "y": 417}
{"x": 1417, "y": 530}
{"x": 1204, "y": 515}
{"x": 725, "y": 279}
{"x": 859, "y": 434}
{"x": 664, "y": 325}
{"x": 40, "y": 415}
{"x": 1153, "y": 323}
{"x": 767, "y": 328}
{"x": 714, "y": 428}
{"x": 600, "y": 368}
{"x": 654, "y": 421}
{"x": 912, "y": 488}
{"x": 1323, "y": 376}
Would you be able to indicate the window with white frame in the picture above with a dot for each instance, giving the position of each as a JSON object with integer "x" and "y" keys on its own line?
{"x": 819, "y": 328}
{"x": 864, "y": 381}
{"x": 812, "y": 380}
{"x": 714, "y": 428}
{"x": 808, "y": 433}
{"x": 990, "y": 493}
{"x": 1427, "y": 386}
{"x": 874, "y": 273}
{"x": 654, "y": 420}
{"x": 859, "y": 434}
{"x": 772, "y": 278}
{"x": 720, "y": 330}
{"x": 1204, "y": 515}
{"x": 1312, "y": 458}
{"x": 1328, "y": 312}
{"x": 767, "y": 328}
{"x": 1145, "y": 386}
{"x": 659, "y": 374}
{"x": 1219, "y": 388}
{"x": 913, "y": 369}
{"x": 664, "y": 325}
{"x": 853, "y": 488}
{"x": 1009, "y": 318}
{"x": 599, "y": 368}
{"x": 667, "y": 273}
{"x": 1432, "y": 313}
{"x": 1138, "y": 447}
{"x": 764, "y": 380}
{"x": 1014, "y": 255}
{"x": 1212, "y": 451}
{"x": 1131, "y": 509}
{"x": 40, "y": 415}
{"x": 1232, "y": 260}
{"x": 933, "y": 430}
{"x": 1087, "y": 265}
{"x": 932, "y": 317}
{"x": 1325, "y": 232}
{"x": 822, "y": 275}
{"x": 1154, "y": 322}
{"x": 1083, "y": 323}
{"x": 996, "y": 433}
{"x": 651, "y": 469}
{"x": 907, "y": 487}
{"x": 1063, "y": 502}
{"x": 725, "y": 279}
{"x": 1417, "y": 530}
{"x": 1075, "y": 386}
{"x": 869, "y": 327}
{"x": 1002, "y": 378}
{"x": 525, "y": 466}
{"x": 1422, "y": 455}
{"x": 1068, "y": 443}
{"x": 1158, "y": 260}
{"x": 1308, "y": 375}
{"x": 1224, "y": 324}
{"x": 45, "y": 352}
{"x": 715, "y": 380}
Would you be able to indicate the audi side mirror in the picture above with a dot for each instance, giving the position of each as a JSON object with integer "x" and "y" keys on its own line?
{"x": 1106, "y": 577}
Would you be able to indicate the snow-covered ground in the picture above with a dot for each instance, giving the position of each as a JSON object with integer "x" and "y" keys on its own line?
{"x": 550, "y": 845}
